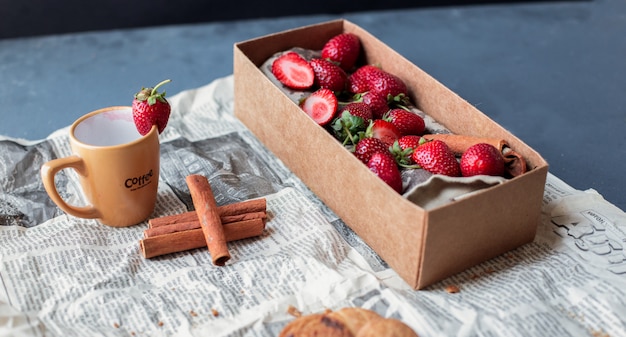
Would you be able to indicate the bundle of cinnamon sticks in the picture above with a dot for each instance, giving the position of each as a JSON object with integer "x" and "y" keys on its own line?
{"x": 209, "y": 225}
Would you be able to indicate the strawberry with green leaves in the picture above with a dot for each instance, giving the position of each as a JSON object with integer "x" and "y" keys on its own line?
{"x": 482, "y": 159}
{"x": 343, "y": 49}
{"x": 437, "y": 158}
{"x": 321, "y": 105}
{"x": 150, "y": 108}
{"x": 293, "y": 71}
{"x": 351, "y": 122}
{"x": 403, "y": 149}
{"x": 384, "y": 166}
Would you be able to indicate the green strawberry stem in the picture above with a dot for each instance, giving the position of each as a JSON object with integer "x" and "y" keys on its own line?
{"x": 156, "y": 87}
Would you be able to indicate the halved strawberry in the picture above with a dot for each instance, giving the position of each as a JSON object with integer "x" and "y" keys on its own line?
{"x": 437, "y": 158}
{"x": 329, "y": 75}
{"x": 293, "y": 71}
{"x": 344, "y": 49}
{"x": 321, "y": 105}
{"x": 409, "y": 123}
{"x": 383, "y": 130}
{"x": 384, "y": 166}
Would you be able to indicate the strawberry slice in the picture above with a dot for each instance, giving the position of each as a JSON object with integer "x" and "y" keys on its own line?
{"x": 321, "y": 105}
{"x": 293, "y": 71}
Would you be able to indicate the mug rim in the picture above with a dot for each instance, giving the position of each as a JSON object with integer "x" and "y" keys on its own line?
{"x": 82, "y": 118}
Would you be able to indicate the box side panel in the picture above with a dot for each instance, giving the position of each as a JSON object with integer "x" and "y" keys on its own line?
{"x": 388, "y": 223}
{"x": 481, "y": 227}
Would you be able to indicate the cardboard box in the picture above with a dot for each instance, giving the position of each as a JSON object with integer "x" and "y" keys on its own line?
{"x": 423, "y": 247}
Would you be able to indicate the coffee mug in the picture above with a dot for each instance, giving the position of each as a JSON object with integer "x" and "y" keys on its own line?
{"x": 118, "y": 169}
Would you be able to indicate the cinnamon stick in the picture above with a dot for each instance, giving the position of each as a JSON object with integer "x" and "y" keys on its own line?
{"x": 183, "y": 226}
{"x": 208, "y": 215}
{"x": 190, "y": 239}
{"x": 243, "y": 207}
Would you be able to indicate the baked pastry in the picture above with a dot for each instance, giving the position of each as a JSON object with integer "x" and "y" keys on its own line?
{"x": 346, "y": 322}
{"x": 387, "y": 327}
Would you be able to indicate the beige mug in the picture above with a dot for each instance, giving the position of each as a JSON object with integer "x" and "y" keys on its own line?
{"x": 118, "y": 169}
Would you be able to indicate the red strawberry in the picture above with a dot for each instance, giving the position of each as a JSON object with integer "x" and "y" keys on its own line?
{"x": 149, "y": 108}
{"x": 293, "y": 71}
{"x": 358, "y": 81}
{"x": 383, "y": 130}
{"x": 403, "y": 149}
{"x": 321, "y": 105}
{"x": 366, "y": 147}
{"x": 329, "y": 75}
{"x": 480, "y": 159}
{"x": 387, "y": 84}
{"x": 409, "y": 142}
{"x": 343, "y": 49}
{"x": 407, "y": 122}
{"x": 376, "y": 102}
{"x": 358, "y": 109}
{"x": 384, "y": 166}
{"x": 436, "y": 157}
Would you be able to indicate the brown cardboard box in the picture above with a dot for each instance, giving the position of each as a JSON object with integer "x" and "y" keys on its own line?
{"x": 422, "y": 246}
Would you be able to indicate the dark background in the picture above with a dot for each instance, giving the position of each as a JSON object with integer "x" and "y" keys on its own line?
{"x": 44, "y": 17}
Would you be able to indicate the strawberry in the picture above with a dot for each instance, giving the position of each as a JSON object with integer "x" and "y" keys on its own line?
{"x": 436, "y": 157}
{"x": 384, "y": 166}
{"x": 329, "y": 75}
{"x": 357, "y": 83}
{"x": 383, "y": 130}
{"x": 407, "y": 122}
{"x": 343, "y": 49}
{"x": 376, "y": 102}
{"x": 321, "y": 105}
{"x": 410, "y": 142}
{"x": 359, "y": 80}
{"x": 403, "y": 149}
{"x": 387, "y": 84}
{"x": 480, "y": 159}
{"x": 351, "y": 122}
{"x": 366, "y": 147}
{"x": 151, "y": 108}
{"x": 293, "y": 71}
{"x": 358, "y": 109}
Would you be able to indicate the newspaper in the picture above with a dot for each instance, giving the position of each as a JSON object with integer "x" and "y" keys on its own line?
{"x": 64, "y": 276}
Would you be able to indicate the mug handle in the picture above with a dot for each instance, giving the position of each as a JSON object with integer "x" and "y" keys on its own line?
{"x": 49, "y": 170}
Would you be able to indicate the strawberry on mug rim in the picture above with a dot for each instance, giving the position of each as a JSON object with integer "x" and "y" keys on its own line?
{"x": 150, "y": 108}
